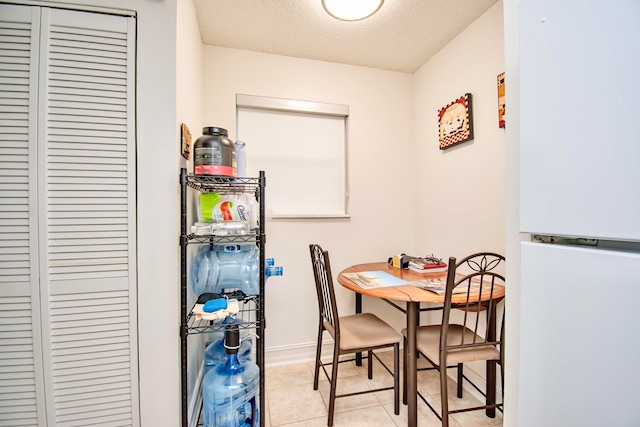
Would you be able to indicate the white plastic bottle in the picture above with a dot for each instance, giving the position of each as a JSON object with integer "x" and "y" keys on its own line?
{"x": 241, "y": 159}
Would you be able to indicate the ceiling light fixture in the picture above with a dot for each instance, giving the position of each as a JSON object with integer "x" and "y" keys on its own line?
{"x": 351, "y": 10}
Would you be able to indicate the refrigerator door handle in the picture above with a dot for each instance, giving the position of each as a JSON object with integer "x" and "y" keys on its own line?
{"x": 563, "y": 240}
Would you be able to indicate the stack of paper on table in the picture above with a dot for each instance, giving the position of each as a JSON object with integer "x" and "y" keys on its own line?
{"x": 375, "y": 279}
{"x": 439, "y": 286}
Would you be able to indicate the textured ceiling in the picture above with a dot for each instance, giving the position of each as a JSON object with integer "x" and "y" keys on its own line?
{"x": 401, "y": 36}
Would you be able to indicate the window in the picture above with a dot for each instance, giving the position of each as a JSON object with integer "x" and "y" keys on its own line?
{"x": 302, "y": 147}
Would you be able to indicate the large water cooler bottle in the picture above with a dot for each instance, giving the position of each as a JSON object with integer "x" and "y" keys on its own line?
{"x": 217, "y": 268}
{"x": 215, "y": 353}
{"x": 230, "y": 389}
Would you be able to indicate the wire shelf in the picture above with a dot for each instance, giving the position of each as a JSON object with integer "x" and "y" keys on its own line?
{"x": 244, "y": 320}
{"x": 223, "y": 184}
{"x": 251, "y": 316}
{"x": 210, "y": 238}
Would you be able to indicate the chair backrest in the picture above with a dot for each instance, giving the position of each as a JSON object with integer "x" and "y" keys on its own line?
{"x": 477, "y": 274}
{"x": 324, "y": 287}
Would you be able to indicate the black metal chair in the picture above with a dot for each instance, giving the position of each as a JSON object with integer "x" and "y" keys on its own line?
{"x": 464, "y": 338}
{"x": 363, "y": 332}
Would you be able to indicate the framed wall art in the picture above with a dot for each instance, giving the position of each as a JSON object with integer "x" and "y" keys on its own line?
{"x": 456, "y": 122}
{"x": 501, "y": 100}
{"x": 185, "y": 141}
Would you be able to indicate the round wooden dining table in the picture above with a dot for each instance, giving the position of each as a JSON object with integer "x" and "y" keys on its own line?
{"x": 413, "y": 296}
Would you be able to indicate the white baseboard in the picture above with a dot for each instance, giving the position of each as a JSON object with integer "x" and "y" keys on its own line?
{"x": 292, "y": 354}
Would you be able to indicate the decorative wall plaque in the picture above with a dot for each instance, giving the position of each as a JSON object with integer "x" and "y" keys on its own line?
{"x": 456, "y": 122}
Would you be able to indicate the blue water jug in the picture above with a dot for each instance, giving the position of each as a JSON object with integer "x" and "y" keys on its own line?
{"x": 230, "y": 389}
{"x": 217, "y": 268}
{"x": 216, "y": 355}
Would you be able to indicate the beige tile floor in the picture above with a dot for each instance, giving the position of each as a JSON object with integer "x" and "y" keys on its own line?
{"x": 292, "y": 402}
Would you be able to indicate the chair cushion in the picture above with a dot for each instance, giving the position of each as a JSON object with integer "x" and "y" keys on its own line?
{"x": 362, "y": 331}
{"x": 428, "y": 343}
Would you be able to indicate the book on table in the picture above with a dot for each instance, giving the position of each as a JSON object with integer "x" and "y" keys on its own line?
{"x": 428, "y": 263}
{"x": 427, "y": 270}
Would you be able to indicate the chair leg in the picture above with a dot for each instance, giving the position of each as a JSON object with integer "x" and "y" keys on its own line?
{"x": 444, "y": 397}
{"x": 396, "y": 378}
{"x": 404, "y": 371}
{"x": 370, "y": 367}
{"x": 491, "y": 388}
{"x": 460, "y": 380}
{"x": 501, "y": 362}
{"x": 318, "y": 353}
{"x": 334, "y": 382}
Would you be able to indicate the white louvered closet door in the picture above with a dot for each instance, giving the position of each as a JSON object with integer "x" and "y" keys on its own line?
{"x": 79, "y": 183}
{"x": 21, "y": 365}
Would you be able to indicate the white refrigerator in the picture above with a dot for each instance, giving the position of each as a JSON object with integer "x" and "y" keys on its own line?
{"x": 580, "y": 193}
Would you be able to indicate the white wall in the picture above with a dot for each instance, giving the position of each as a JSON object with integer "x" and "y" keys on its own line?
{"x": 512, "y": 350}
{"x": 462, "y": 209}
{"x": 189, "y": 83}
{"x": 381, "y": 205}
